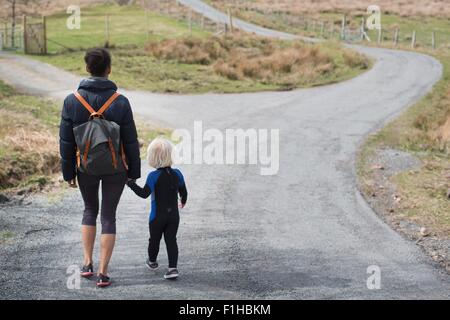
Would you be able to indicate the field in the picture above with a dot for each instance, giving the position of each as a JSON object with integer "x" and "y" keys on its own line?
{"x": 287, "y": 16}
{"x": 436, "y": 8}
{"x": 137, "y": 67}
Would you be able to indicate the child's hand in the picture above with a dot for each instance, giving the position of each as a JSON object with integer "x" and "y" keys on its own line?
{"x": 181, "y": 205}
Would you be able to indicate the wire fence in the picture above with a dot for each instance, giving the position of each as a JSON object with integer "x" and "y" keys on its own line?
{"x": 346, "y": 27}
{"x": 102, "y": 28}
{"x": 11, "y": 37}
{"x": 178, "y": 11}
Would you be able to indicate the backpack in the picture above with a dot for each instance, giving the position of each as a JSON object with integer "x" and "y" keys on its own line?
{"x": 98, "y": 142}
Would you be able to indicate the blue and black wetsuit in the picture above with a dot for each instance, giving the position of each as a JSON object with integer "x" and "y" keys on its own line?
{"x": 164, "y": 185}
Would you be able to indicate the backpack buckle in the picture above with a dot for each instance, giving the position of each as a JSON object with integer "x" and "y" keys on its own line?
{"x": 95, "y": 115}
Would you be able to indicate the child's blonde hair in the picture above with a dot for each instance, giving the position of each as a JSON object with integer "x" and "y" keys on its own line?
{"x": 159, "y": 153}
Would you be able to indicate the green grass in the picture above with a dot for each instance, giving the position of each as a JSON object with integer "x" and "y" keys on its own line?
{"x": 134, "y": 68}
{"x": 5, "y": 236}
{"x": 423, "y": 25}
{"x": 128, "y": 25}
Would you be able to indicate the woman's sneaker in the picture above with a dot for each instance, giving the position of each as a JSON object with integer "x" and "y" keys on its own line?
{"x": 87, "y": 271}
{"x": 152, "y": 265}
{"x": 171, "y": 274}
{"x": 103, "y": 281}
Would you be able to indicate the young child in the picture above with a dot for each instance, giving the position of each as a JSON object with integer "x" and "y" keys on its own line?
{"x": 164, "y": 184}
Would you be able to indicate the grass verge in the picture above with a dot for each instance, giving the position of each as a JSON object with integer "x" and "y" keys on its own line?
{"x": 424, "y": 131}
{"x": 418, "y": 197}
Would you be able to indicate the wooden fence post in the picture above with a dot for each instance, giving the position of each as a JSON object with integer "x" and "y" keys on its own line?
{"x": 146, "y": 25}
{"x": 230, "y": 18}
{"x": 433, "y": 39}
{"x": 190, "y": 21}
{"x": 396, "y": 32}
{"x": 363, "y": 30}
{"x": 413, "y": 40}
{"x": 25, "y": 42}
{"x": 343, "y": 26}
{"x": 6, "y": 34}
{"x": 44, "y": 26}
{"x": 380, "y": 35}
{"x": 322, "y": 29}
{"x": 107, "y": 30}
{"x": 202, "y": 21}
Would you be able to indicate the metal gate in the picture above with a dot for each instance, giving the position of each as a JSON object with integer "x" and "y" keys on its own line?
{"x": 34, "y": 37}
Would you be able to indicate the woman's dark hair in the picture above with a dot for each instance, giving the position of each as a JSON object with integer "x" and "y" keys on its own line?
{"x": 98, "y": 60}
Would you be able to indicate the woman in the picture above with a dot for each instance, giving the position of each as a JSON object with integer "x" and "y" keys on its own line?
{"x": 96, "y": 91}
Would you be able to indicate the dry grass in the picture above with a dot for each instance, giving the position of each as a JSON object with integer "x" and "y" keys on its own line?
{"x": 355, "y": 59}
{"x": 443, "y": 133}
{"x": 426, "y": 203}
{"x": 241, "y": 57}
{"x": 435, "y": 8}
{"x": 28, "y": 140}
{"x": 28, "y": 149}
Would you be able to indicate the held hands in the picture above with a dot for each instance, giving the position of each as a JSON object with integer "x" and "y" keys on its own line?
{"x": 181, "y": 205}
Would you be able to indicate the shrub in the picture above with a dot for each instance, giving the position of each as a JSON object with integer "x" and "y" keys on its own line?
{"x": 240, "y": 56}
{"x": 355, "y": 59}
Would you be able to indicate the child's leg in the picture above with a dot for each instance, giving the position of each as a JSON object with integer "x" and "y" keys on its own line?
{"x": 170, "y": 237}
{"x": 156, "y": 232}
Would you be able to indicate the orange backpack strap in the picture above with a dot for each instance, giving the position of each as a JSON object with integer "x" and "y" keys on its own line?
{"x": 102, "y": 109}
{"x": 84, "y": 103}
{"x": 108, "y": 103}
{"x": 124, "y": 158}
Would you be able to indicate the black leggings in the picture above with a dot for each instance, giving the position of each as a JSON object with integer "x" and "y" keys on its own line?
{"x": 167, "y": 224}
{"x": 112, "y": 188}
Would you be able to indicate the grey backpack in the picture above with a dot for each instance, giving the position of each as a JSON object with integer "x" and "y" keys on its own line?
{"x": 99, "y": 149}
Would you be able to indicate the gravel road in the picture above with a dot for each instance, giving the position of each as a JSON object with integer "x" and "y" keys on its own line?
{"x": 305, "y": 233}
